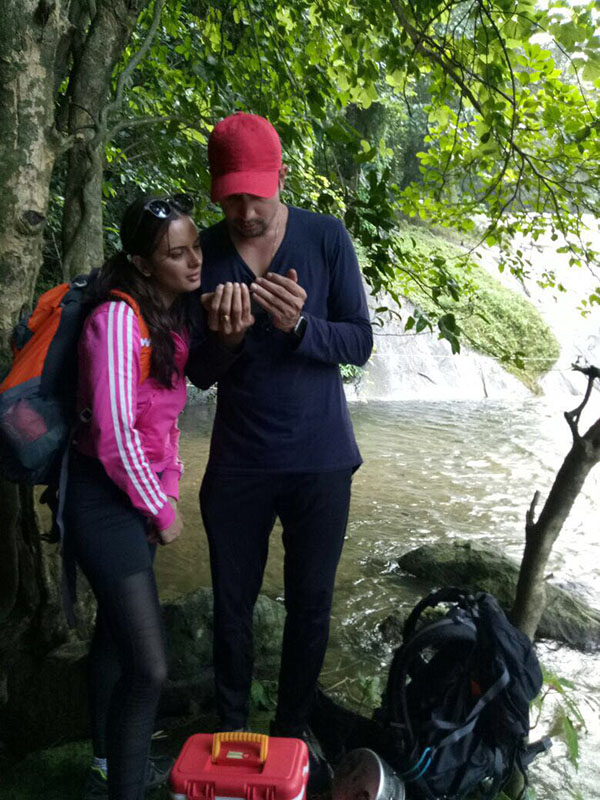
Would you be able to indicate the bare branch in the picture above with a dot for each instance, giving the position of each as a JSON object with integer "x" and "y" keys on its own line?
{"x": 418, "y": 38}
{"x": 530, "y": 516}
{"x": 573, "y": 417}
{"x": 591, "y": 371}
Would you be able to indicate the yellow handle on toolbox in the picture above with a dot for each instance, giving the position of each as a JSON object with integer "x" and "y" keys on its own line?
{"x": 240, "y": 736}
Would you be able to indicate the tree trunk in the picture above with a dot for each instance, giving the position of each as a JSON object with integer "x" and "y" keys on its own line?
{"x": 28, "y": 43}
{"x": 37, "y": 39}
{"x": 82, "y": 233}
{"x": 30, "y": 35}
{"x": 28, "y": 576}
{"x": 541, "y": 535}
{"x": 83, "y": 245}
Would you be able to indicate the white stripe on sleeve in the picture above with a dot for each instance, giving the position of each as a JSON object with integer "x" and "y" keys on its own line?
{"x": 135, "y": 446}
{"x": 116, "y": 407}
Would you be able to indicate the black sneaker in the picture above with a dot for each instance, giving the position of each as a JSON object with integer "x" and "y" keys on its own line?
{"x": 96, "y": 783}
{"x": 158, "y": 769}
{"x": 320, "y": 774}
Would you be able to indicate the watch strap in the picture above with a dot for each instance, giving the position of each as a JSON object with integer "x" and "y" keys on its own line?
{"x": 300, "y": 327}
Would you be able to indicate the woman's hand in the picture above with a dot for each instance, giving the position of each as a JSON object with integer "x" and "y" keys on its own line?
{"x": 169, "y": 534}
{"x": 172, "y": 532}
{"x": 228, "y": 312}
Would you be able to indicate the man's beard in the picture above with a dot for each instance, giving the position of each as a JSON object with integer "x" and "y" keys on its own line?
{"x": 251, "y": 230}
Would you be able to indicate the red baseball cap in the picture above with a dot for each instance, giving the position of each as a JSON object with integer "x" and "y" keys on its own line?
{"x": 244, "y": 156}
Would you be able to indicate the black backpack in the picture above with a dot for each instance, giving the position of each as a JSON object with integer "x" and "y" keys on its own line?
{"x": 457, "y": 699}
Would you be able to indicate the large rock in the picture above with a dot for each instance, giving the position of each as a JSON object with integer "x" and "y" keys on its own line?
{"x": 49, "y": 696}
{"x": 460, "y": 563}
{"x": 48, "y": 699}
{"x": 189, "y": 633}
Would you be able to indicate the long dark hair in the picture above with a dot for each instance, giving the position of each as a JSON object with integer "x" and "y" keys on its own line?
{"x": 141, "y": 233}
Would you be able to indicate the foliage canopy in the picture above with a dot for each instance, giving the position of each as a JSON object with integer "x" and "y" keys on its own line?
{"x": 476, "y": 115}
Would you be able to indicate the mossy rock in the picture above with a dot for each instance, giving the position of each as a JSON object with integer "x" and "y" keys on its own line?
{"x": 47, "y": 700}
{"x": 566, "y": 618}
{"x": 504, "y": 324}
{"x": 58, "y": 773}
{"x": 54, "y": 774}
{"x": 189, "y": 627}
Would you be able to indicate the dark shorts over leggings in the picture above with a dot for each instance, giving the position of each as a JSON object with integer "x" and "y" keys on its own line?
{"x": 127, "y": 662}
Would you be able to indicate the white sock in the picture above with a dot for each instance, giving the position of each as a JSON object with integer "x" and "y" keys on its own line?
{"x": 100, "y": 763}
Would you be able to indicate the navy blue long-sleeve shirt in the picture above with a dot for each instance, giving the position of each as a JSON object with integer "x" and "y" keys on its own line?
{"x": 281, "y": 404}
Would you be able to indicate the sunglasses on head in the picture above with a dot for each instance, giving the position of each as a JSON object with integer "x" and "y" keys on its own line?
{"x": 165, "y": 206}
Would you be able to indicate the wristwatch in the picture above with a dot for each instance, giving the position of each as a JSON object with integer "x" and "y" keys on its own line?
{"x": 300, "y": 328}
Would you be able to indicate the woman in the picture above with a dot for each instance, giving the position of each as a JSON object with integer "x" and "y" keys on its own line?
{"x": 122, "y": 490}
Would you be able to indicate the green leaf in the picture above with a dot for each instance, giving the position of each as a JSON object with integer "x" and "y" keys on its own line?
{"x": 339, "y": 133}
{"x": 572, "y": 742}
{"x": 369, "y": 155}
{"x": 591, "y": 70}
{"x": 422, "y": 322}
{"x": 261, "y": 697}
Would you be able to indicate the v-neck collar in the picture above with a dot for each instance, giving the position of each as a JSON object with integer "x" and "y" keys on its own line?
{"x": 273, "y": 264}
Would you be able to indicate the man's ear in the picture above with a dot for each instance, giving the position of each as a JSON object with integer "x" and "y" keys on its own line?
{"x": 283, "y": 171}
{"x": 141, "y": 265}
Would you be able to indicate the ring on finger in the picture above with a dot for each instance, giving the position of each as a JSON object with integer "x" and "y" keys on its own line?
{"x": 226, "y": 317}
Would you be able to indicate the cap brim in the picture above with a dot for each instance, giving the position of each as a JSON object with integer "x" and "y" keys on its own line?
{"x": 260, "y": 184}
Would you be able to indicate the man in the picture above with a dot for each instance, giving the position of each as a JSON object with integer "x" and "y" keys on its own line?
{"x": 285, "y": 307}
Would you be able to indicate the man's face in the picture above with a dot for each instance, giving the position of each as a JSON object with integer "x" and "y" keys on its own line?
{"x": 250, "y": 216}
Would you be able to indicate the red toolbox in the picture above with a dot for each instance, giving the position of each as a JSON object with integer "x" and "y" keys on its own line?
{"x": 240, "y": 766}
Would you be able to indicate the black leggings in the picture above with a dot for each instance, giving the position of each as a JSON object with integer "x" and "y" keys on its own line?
{"x": 127, "y": 661}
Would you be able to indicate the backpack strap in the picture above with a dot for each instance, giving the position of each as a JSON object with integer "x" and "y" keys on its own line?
{"x": 450, "y": 594}
{"x": 456, "y": 629}
{"x": 146, "y": 343}
{"x": 441, "y": 632}
{"x": 456, "y": 731}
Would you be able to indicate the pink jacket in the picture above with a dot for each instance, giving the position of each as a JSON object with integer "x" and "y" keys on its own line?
{"x": 132, "y": 427}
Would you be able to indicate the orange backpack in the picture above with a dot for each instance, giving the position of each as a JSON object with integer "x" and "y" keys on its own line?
{"x": 38, "y": 395}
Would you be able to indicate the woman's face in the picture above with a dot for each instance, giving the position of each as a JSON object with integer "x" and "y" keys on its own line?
{"x": 176, "y": 263}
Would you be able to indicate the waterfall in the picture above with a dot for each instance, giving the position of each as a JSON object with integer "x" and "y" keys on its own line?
{"x": 419, "y": 366}
{"x": 411, "y": 366}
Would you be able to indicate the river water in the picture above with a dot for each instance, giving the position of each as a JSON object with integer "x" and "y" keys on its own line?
{"x": 431, "y": 471}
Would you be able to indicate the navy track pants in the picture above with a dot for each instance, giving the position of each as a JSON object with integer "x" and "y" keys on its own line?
{"x": 239, "y": 512}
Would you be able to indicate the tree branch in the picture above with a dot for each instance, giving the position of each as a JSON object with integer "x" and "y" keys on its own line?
{"x": 573, "y": 417}
{"x": 123, "y": 77}
{"x": 449, "y": 68}
{"x": 139, "y": 122}
{"x": 530, "y": 516}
